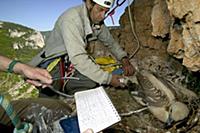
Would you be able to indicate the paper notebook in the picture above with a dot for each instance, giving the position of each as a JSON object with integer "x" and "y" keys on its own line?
{"x": 95, "y": 110}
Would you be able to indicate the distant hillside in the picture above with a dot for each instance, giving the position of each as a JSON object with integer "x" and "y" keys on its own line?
{"x": 21, "y": 43}
{"x": 17, "y": 41}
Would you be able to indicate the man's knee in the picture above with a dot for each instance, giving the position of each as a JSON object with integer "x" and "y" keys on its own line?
{"x": 72, "y": 87}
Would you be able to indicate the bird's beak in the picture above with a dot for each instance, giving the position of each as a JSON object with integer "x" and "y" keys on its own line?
{"x": 169, "y": 121}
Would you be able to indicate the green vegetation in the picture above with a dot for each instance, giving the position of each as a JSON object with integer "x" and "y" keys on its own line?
{"x": 6, "y": 42}
{"x": 7, "y": 81}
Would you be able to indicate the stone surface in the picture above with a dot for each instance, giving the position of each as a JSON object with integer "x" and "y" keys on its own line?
{"x": 165, "y": 29}
{"x": 160, "y": 19}
{"x": 186, "y": 44}
{"x": 160, "y": 26}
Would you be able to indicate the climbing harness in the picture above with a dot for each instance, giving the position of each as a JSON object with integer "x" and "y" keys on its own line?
{"x": 20, "y": 127}
{"x": 66, "y": 71}
{"x": 112, "y": 12}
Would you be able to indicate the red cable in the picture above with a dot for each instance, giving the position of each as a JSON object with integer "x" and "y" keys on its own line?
{"x": 62, "y": 71}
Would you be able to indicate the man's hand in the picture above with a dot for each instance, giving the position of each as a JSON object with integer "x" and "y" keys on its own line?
{"x": 128, "y": 68}
{"x": 115, "y": 81}
{"x": 88, "y": 131}
{"x": 35, "y": 76}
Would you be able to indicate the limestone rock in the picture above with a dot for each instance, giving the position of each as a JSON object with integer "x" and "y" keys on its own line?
{"x": 185, "y": 44}
{"x": 176, "y": 45}
{"x": 160, "y": 19}
{"x": 163, "y": 28}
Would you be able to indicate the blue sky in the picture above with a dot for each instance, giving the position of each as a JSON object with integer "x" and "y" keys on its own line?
{"x": 42, "y": 14}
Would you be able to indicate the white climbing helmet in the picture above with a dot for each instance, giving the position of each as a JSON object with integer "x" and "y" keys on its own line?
{"x": 105, "y": 3}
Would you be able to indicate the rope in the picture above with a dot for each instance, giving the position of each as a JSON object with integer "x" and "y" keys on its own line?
{"x": 133, "y": 31}
{"x": 60, "y": 93}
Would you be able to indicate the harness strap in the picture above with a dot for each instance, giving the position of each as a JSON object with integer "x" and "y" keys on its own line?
{"x": 111, "y": 16}
{"x": 65, "y": 69}
{"x": 53, "y": 64}
{"x": 62, "y": 70}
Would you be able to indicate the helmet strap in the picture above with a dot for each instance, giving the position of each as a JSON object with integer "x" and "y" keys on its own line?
{"x": 90, "y": 5}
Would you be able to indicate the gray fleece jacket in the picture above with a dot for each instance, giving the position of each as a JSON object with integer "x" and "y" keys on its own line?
{"x": 71, "y": 35}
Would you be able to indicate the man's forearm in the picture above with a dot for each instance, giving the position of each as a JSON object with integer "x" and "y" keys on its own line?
{"x": 5, "y": 64}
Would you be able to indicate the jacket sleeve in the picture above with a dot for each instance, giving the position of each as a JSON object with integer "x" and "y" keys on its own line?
{"x": 108, "y": 40}
{"x": 72, "y": 34}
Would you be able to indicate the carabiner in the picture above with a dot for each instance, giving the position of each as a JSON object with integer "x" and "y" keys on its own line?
{"x": 119, "y": 4}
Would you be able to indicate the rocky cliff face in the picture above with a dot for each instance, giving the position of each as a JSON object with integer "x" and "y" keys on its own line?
{"x": 164, "y": 26}
{"x": 168, "y": 35}
{"x": 185, "y": 32}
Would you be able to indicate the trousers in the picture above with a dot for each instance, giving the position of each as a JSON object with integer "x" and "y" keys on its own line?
{"x": 26, "y": 107}
{"x": 69, "y": 86}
